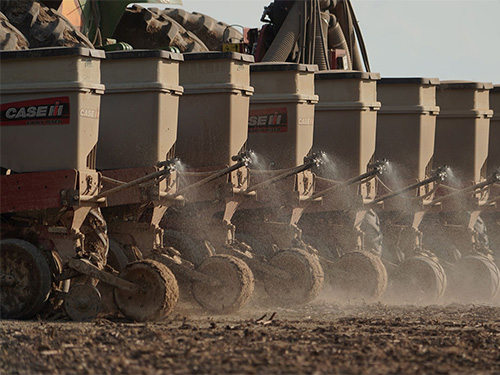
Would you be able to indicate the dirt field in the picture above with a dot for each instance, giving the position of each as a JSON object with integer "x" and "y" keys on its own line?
{"x": 316, "y": 339}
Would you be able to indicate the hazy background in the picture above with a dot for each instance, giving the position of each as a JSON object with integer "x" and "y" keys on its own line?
{"x": 446, "y": 39}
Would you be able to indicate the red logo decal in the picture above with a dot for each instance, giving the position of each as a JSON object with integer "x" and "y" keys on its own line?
{"x": 50, "y": 111}
{"x": 270, "y": 120}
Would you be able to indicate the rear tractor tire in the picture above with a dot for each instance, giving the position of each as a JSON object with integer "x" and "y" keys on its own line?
{"x": 25, "y": 279}
{"x": 236, "y": 284}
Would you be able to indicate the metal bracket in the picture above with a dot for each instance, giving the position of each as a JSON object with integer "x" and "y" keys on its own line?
{"x": 85, "y": 267}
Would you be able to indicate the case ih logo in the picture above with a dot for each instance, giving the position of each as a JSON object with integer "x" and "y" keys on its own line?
{"x": 50, "y": 111}
{"x": 271, "y": 120}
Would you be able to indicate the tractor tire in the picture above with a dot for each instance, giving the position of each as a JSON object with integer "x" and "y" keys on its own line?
{"x": 157, "y": 296}
{"x": 26, "y": 279}
{"x": 306, "y": 279}
{"x": 359, "y": 275}
{"x": 211, "y": 32}
{"x": 235, "y": 289}
{"x": 42, "y": 26}
{"x": 149, "y": 28}
{"x": 11, "y": 39}
{"x": 419, "y": 279}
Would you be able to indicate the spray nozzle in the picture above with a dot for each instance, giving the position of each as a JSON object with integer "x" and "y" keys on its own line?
{"x": 170, "y": 164}
{"x": 441, "y": 173}
{"x": 243, "y": 157}
{"x": 316, "y": 158}
{"x": 379, "y": 166}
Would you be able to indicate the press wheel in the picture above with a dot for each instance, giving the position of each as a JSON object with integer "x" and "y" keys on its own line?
{"x": 475, "y": 278}
{"x": 305, "y": 281}
{"x": 235, "y": 289}
{"x": 25, "y": 279}
{"x": 359, "y": 275}
{"x": 419, "y": 279}
{"x": 157, "y": 295}
{"x": 83, "y": 302}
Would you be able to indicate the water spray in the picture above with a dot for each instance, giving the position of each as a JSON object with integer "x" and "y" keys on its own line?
{"x": 494, "y": 178}
{"x": 376, "y": 168}
{"x": 312, "y": 161}
{"x": 439, "y": 176}
{"x": 242, "y": 159}
{"x": 168, "y": 166}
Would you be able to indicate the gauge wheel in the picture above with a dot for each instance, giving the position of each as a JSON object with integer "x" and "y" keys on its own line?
{"x": 419, "y": 279}
{"x": 359, "y": 275}
{"x": 156, "y": 296}
{"x": 235, "y": 284}
{"x": 305, "y": 281}
{"x": 475, "y": 278}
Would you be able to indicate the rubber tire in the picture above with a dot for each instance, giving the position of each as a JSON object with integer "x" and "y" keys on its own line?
{"x": 359, "y": 275}
{"x": 474, "y": 278}
{"x": 307, "y": 278}
{"x": 419, "y": 279}
{"x": 86, "y": 308}
{"x": 206, "y": 28}
{"x": 11, "y": 39}
{"x": 158, "y": 296}
{"x": 237, "y": 284}
{"x": 148, "y": 28}
{"x": 42, "y": 26}
{"x": 29, "y": 260}
{"x": 193, "y": 251}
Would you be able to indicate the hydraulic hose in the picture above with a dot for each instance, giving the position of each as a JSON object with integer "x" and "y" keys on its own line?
{"x": 287, "y": 36}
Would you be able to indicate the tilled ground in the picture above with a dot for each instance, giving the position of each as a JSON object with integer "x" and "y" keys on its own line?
{"x": 315, "y": 339}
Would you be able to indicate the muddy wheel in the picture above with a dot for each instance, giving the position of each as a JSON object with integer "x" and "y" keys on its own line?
{"x": 157, "y": 296}
{"x": 191, "y": 250}
{"x": 235, "y": 289}
{"x": 42, "y": 27}
{"x": 475, "y": 278}
{"x": 419, "y": 279}
{"x": 83, "y": 302}
{"x": 25, "y": 279}
{"x": 359, "y": 275}
{"x": 305, "y": 282}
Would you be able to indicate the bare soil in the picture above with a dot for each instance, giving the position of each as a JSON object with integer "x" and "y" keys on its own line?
{"x": 319, "y": 338}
